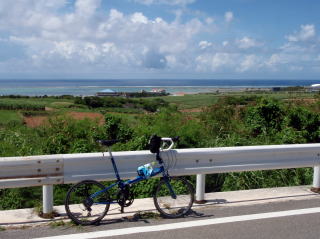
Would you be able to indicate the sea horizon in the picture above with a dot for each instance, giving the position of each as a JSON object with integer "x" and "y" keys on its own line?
{"x": 83, "y": 87}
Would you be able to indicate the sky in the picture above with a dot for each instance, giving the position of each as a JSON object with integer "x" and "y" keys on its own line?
{"x": 159, "y": 39}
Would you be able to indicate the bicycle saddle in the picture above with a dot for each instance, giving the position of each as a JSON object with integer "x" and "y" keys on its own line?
{"x": 108, "y": 142}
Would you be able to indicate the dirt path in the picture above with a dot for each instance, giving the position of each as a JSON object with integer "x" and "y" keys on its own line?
{"x": 36, "y": 121}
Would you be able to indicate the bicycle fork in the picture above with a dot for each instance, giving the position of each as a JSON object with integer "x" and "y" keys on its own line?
{"x": 172, "y": 193}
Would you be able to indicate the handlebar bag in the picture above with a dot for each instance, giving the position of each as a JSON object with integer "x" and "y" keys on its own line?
{"x": 154, "y": 144}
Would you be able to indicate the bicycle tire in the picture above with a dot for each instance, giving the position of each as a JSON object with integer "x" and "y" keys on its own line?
{"x": 82, "y": 209}
{"x": 170, "y": 207}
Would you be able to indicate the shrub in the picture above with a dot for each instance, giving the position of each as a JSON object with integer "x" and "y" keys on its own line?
{"x": 266, "y": 117}
{"x": 219, "y": 119}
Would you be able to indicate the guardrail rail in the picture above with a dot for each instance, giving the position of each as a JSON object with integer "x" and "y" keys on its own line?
{"x": 47, "y": 170}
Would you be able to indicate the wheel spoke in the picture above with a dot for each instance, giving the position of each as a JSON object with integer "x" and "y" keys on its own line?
{"x": 174, "y": 207}
{"x": 81, "y": 208}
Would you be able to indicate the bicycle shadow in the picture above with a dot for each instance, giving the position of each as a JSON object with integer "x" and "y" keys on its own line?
{"x": 148, "y": 217}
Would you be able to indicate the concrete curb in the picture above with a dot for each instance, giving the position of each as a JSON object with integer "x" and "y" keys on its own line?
{"x": 27, "y": 217}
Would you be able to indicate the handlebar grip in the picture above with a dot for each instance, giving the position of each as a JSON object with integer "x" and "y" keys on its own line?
{"x": 176, "y": 139}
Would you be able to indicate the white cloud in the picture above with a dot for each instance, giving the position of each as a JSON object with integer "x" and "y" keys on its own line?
{"x": 289, "y": 62}
{"x": 204, "y": 44}
{"x": 277, "y": 60}
{"x": 298, "y": 53}
{"x": 306, "y": 32}
{"x": 86, "y": 35}
{"x": 222, "y": 59}
{"x": 216, "y": 61}
{"x": 138, "y": 17}
{"x": 247, "y": 42}
{"x": 51, "y": 23}
{"x": 209, "y": 20}
{"x": 249, "y": 62}
{"x": 87, "y": 8}
{"x": 296, "y": 68}
{"x": 228, "y": 16}
{"x": 225, "y": 43}
{"x": 168, "y": 2}
{"x": 83, "y": 38}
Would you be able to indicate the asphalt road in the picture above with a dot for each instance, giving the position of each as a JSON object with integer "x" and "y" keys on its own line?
{"x": 257, "y": 224}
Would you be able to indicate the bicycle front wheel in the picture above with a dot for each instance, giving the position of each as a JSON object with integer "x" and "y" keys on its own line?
{"x": 82, "y": 207}
{"x": 177, "y": 205}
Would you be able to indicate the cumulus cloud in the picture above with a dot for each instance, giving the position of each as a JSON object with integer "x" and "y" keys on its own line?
{"x": 216, "y": 61}
{"x": 249, "y": 62}
{"x": 228, "y": 16}
{"x": 138, "y": 17}
{"x": 247, "y": 42}
{"x": 204, "y": 44}
{"x": 78, "y": 36}
{"x": 298, "y": 53}
{"x": 85, "y": 36}
{"x": 87, "y": 8}
{"x": 306, "y": 32}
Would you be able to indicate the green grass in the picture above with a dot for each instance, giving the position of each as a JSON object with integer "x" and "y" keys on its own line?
{"x": 58, "y": 223}
{"x": 124, "y": 110}
{"x": 48, "y": 102}
{"x": 61, "y": 223}
{"x": 25, "y": 101}
{"x": 202, "y": 100}
{"x": 9, "y": 116}
{"x": 60, "y": 104}
{"x": 192, "y": 101}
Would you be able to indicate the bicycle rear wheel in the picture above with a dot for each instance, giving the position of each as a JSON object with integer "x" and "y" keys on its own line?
{"x": 174, "y": 207}
{"x": 83, "y": 209}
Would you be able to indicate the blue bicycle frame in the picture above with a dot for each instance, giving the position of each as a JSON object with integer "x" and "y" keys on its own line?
{"x": 122, "y": 184}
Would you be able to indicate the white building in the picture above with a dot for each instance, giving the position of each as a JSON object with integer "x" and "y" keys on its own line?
{"x": 107, "y": 92}
{"x": 315, "y": 87}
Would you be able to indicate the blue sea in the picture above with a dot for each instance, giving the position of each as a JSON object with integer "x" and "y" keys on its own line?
{"x": 90, "y": 87}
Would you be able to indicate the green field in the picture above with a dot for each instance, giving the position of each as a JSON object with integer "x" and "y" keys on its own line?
{"x": 10, "y": 117}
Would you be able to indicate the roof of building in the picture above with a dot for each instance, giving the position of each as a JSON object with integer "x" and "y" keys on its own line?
{"x": 106, "y": 91}
{"x": 316, "y": 85}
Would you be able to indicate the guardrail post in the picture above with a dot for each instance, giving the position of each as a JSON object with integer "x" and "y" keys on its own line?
{"x": 200, "y": 188}
{"x": 47, "y": 197}
{"x": 316, "y": 179}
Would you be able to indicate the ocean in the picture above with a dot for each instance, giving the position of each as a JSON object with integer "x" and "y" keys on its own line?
{"x": 90, "y": 87}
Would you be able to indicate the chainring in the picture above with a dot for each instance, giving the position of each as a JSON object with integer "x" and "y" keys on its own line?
{"x": 125, "y": 197}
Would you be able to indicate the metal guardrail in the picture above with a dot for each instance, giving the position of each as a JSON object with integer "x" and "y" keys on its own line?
{"x": 31, "y": 171}
{"x": 70, "y": 168}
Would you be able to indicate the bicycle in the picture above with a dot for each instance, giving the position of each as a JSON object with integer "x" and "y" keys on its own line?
{"x": 88, "y": 201}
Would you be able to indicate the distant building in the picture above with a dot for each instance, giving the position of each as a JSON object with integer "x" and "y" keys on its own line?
{"x": 315, "y": 87}
{"x": 142, "y": 93}
{"x": 275, "y": 89}
{"x": 159, "y": 91}
{"x": 107, "y": 92}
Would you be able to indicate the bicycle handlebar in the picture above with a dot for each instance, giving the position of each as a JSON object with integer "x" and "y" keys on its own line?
{"x": 171, "y": 140}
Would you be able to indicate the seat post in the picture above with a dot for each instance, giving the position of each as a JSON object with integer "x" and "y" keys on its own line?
{"x": 114, "y": 164}
{"x": 110, "y": 153}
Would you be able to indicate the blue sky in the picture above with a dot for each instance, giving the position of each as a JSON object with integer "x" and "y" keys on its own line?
{"x": 169, "y": 39}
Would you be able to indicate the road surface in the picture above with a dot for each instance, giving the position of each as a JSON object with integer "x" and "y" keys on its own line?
{"x": 294, "y": 219}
